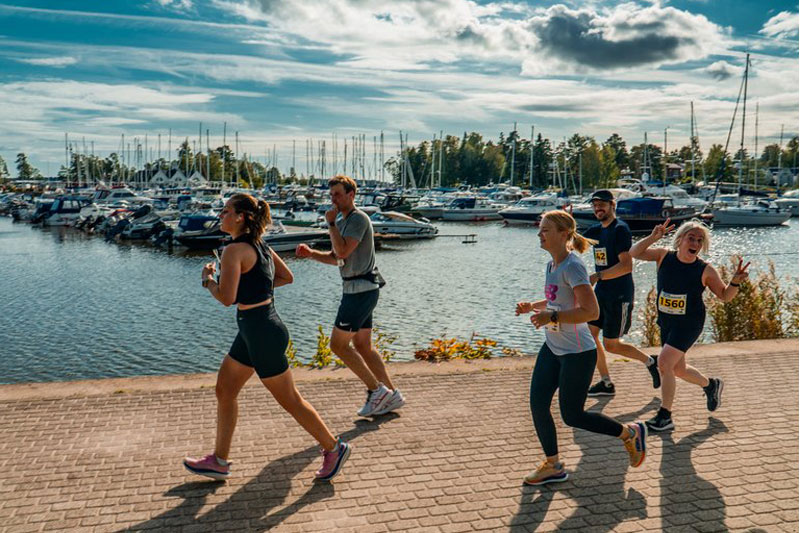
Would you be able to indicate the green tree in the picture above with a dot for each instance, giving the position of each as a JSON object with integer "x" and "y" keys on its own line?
{"x": 542, "y": 159}
{"x": 617, "y": 144}
{"x": 4, "y": 175}
{"x": 609, "y": 169}
{"x": 769, "y": 157}
{"x": 652, "y": 164}
{"x": 25, "y": 171}
{"x": 718, "y": 164}
{"x": 789, "y": 156}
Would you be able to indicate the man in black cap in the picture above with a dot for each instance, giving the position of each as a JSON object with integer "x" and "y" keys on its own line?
{"x": 614, "y": 291}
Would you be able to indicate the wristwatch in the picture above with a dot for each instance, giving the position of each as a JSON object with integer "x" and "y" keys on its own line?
{"x": 554, "y": 317}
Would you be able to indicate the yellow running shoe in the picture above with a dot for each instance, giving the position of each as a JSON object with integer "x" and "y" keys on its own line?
{"x": 547, "y": 473}
{"x": 636, "y": 443}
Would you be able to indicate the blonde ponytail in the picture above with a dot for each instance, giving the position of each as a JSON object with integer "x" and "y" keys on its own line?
{"x": 563, "y": 221}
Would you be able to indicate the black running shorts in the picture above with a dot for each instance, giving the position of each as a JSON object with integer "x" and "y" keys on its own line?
{"x": 261, "y": 342}
{"x": 615, "y": 317}
{"x": 355, "y": 311}
{"x": 681, "y": 335}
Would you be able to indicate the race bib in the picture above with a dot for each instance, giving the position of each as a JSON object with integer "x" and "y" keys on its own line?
{"x": 672, "y": 304}
{"x": 554, "y": 327}
{"x": 600, "y": 257}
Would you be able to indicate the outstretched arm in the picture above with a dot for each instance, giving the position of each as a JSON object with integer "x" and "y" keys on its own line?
{"x": 642, "y": 251}
{"x": 724, "y": 292}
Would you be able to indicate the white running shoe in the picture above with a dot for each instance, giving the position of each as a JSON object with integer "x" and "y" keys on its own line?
{"x": 396, "y": 401}
{"x": 376, "y": 400}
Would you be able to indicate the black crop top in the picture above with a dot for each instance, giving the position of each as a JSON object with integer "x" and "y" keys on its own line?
{"x": 256, "y": 285}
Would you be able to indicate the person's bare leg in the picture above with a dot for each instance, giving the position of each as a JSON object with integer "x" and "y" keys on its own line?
{"x": 340, "y": 344}
{"x": 602, "y": 366}
{"x": 362, "y": 341}
{"x": 283, "y": 389}
{"x": 669, "y": 358}
{"x": 231, "y": 378}
{"x": 625, "y": 350}
{"x": 690, "y": 374}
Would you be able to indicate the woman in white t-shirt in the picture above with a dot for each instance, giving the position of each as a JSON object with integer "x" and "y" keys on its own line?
{"x": 567, "y": 359}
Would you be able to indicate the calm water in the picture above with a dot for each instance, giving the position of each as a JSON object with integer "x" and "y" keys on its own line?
{"x": 76, "y": 307}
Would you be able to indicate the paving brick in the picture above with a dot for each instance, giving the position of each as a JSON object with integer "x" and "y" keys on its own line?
{"x": 452, "y": 460}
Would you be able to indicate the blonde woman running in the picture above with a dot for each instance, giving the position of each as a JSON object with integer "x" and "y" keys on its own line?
{"x": 681, "y": 280}
{"x": 567, "y": 359}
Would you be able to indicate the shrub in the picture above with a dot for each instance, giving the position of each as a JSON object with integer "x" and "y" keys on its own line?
{"x": 762, "y": 309}
{"x": 443, "y": 349}
{"x": 652, "y": 333}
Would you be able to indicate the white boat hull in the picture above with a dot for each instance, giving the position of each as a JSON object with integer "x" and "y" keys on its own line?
{"x": 744, "y": 216}
{"x": 470, "y": 215}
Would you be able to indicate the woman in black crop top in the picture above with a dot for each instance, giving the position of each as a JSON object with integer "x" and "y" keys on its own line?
{"x": 249, "y": 273}
{"x": 681, "y": 280}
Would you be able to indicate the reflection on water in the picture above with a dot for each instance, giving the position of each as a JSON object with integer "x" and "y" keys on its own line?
{"x": 77, "y": 307}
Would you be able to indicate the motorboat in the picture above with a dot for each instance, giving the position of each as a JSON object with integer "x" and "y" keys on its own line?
{"x": 583, "y": 212}
{"x": 758, "y": 213}
{"x": 529, "y": 210}
{"x": 402, "y": 226}
{"x": 471, "y": 209}
{"x": 283, "y": 239}
{"x": 144, "y": 223}
{"x": 199, "y": 231}
{"x": 65, "y": 211}
{"x": 789, "y": 202}
{"x": 123, "y": 194}
{"x": 642, "y": 214}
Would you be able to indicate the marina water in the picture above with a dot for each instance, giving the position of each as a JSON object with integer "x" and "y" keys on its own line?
{"x": 77, "y": 307}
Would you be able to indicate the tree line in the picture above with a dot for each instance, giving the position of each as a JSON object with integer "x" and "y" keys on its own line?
{"x": 578, "y": 161}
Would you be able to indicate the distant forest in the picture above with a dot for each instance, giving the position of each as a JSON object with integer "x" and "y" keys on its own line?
{"x": 465, "y": 160}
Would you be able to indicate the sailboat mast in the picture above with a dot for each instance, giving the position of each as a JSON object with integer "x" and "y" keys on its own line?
{"x": 530, "y": 179}
{"x": 691, "y": 138}
{"x": 744, "y": 116}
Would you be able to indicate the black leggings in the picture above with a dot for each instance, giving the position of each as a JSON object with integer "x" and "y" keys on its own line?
{"x": 571, "y": 374}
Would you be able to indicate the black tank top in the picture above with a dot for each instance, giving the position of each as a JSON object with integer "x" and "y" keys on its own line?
{"x": 680, "y": 290}
{"x": 256, "y": 285}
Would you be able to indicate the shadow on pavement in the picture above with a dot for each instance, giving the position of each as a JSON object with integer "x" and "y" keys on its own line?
{"x": 684, "y": 493}
{"x": 248, "y": 509}
{"x": 596, "y": 485}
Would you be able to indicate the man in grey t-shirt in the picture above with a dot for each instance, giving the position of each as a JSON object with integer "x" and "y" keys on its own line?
{"x": 353, "y": 250}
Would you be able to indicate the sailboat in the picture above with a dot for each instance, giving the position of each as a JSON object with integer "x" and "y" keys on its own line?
{"x": 760, "y": 213}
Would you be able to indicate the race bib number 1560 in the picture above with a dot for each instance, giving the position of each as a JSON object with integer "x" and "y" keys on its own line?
{"x": 672, "y": 304}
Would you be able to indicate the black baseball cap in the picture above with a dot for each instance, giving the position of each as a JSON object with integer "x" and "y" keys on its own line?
{"x": 603, "y": 195}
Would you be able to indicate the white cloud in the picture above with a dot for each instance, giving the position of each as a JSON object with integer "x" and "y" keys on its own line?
{"x": 58, "y": 62}
{"x": 782, "y": 26}
{"x": 722, "y": 70}
{"x": 180, "y": 5}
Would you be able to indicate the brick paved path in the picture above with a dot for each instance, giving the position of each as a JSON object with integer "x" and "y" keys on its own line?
{"x": 450, "y": 461}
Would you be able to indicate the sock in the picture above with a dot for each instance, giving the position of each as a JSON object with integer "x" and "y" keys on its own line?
{"x": 606, "y": 379}
{"x": 665, "y": 413}
{"x": 650, "y": 361}
{"x": 710, "y": 385}
{"x": 222, "y": 462}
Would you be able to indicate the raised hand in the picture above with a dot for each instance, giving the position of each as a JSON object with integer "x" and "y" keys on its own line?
{"x": 662, "y": 229}
{"x": 741, "y": 273}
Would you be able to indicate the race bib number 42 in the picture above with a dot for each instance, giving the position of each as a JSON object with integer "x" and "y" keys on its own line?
{"x": 672, "y": 304}
{"x": 600, "y": 257}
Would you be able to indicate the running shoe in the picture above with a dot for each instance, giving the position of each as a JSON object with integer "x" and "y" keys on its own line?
{"x": 333, "y": 461}
{"x": 376, "y": 400}
{"x": 660, "y": 422}
{"x": 636, "y": 443}
{"x": 601, "y": 389}
{"x": 547, "y": 473}
{"x": 207, "y": 466}
{"x": 654, "y": 373}
{"x": 396, "y": 401}
{"x": 713, "y": 394}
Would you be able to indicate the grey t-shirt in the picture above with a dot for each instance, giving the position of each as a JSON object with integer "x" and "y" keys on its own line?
{"x": 559, "y": 284}
{"x": 358, "y": 226}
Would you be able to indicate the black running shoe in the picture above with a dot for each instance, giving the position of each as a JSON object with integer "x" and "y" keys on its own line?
{"x": 601, "y": 389}
{"x": 660, "y": 422}
{"x": 713, "y": 394}
{"x": 654, "y": 373}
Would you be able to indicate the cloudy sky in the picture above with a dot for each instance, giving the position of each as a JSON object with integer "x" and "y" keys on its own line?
{"x": 284, "y": 70}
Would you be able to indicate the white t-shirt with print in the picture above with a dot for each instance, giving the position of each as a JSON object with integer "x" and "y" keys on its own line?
{"x": 559, "y": 291}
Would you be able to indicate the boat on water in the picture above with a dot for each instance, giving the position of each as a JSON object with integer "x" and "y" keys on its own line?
{"x": 529, "y": 210}
{"x": 471, "y": 209}
{"x": 789, "y": 202}
{"x": 64, "y": 211}
{"x": 758, "y": 213}
{"x": 402, "y": 226}
{"x": 642, "y": 214}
